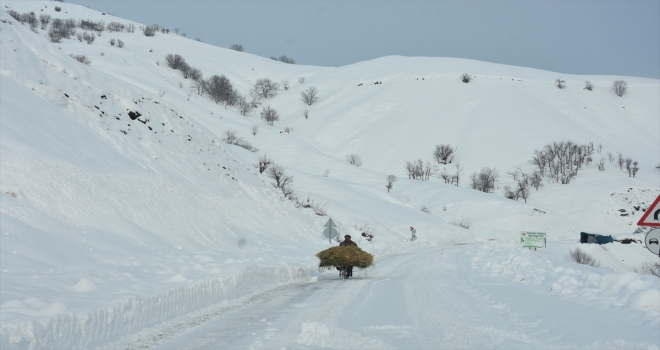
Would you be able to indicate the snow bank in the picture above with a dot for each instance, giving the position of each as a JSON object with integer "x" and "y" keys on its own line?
{"x": 82, "y": 330}
{"x": 550, "y": 271}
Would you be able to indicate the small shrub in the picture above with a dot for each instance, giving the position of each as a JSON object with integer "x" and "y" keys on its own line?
{"x": 285, "y": 85}
{"x": 231, "y": 137}
{"x": 588, "y": 86}
{"x": 463, "y": 222}
{"x": 15, "y": 15}
{"x": 581, "y": 257}
{"x": 264, "y": 88}
{"x": 112, "y": 42}
{"x": 44, "y": 19}
{"x": 560, "y": 83}
{"x": 269, "y": 115}
{"x": 236, "y": 47}
{"x": 391, "y": 179}
{"x": 301, "y": 80}
{"x": 150, "y": 30}
{"x": 484, "y": 180}
{"x": 255, "y": 129}
{"x": 120, "y": 43}
{"x": 89, "y": 37}
{"x": 174, "y": 61}
{"x": 81, "y": 59}
{"x": 306, "y": 114}
{"x": 354, "y": 159}
{"x": 649, "y": 268}
{"x": 466, "y": 78}
{"x": 425, "y": 209}
{"x": 130, "y": 28}
{"x": 620, "y": 87}
{"x": 115, "y": 27}
{"x": 444, "y": 154}
{"x": 58, "y": 9}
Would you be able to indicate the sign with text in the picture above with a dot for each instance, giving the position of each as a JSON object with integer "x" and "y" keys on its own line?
{"x": 532, "y": 239}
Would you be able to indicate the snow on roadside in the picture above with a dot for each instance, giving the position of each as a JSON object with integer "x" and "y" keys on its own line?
{"x": 81, "y": 330}
{"x": 549, "y": 271}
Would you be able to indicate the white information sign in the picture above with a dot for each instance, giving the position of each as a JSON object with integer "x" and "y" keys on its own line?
{"x": 532, "y": 239}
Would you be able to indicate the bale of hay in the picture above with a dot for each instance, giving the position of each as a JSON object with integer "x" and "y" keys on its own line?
{"x": 345, "y": 256}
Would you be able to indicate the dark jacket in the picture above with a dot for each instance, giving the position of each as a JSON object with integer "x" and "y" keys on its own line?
{"x": 347, "y": 243}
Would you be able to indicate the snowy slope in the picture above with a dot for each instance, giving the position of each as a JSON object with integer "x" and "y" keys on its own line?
{"x": 98, "y": 209}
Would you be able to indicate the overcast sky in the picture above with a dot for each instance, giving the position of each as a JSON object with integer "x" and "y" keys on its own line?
{"x": 580, "y": 37}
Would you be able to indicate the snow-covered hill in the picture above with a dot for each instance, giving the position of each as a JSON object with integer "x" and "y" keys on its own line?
{"x": 103, "y": 209}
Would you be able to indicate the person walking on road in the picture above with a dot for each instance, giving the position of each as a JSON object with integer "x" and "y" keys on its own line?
{"x": 413, "y": 231}
{"x": 346, "y": 243}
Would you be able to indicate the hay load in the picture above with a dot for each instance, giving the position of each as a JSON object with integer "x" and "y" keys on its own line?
{"x": 344, "y": 256}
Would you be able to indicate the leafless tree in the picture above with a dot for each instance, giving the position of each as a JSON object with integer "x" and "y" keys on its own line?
{"x": 264, "y": 163}
{"x": 600, "y": 147}
{"x": 620, "y": 160}
{"x": 199, "y": 83}
{"x": 255, "y": 129}
{"x": 391, "y": 179}
{"x": 466, "y": 78}
{"x": 635, "y": 168}
{"x": 282, "y": 179}
{"x": 301, "y": 80}
{"x": 306, "y": 114}
{"x": 310, "y": 95}
{"x": 560, "y": 83}
{"x": 44, "y": 19}
{"x": 444, "y": 154}
{"x": 149, "y": 30}
{"x": 629, "y": 162}
{"x": 285, "y": 85}
{"x": 244, "y": 106}
{"x": 176, "y": 30}
{"x": 264, "y": 88}
{"x": 237, "y": 47}
{"x": 120, "y": 43}
{"x": 536, "y": 180}
{"x": 354, "y": 159}
{"x": 620, "y": 87}
{"x": 174, "y": 61}
{"x": 610, "y": 156}
{"x": 269, "y": 115}
{"x": 588, "y": 86}
{"x": 220, "y": 89}
{"x": 418, "y": 170}
{"x": 285, "y": 59}
{"x": 82, "y": 59}
{"x": 484, "y": 180}
{"x": 601, "y": 164}
{"x": 112, "y": 42}
{"x": 231, "y": 137}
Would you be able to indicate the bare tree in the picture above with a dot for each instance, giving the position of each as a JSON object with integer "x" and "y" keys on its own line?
{"x": 391, "y": 179}
{"x": 581, "y": 257}
{"x": 484, "y": 180}
{"x": 264, "y": 88}
{"x": 354, "y": 159}
{"x": 444, "y": 153}
{"x": 44, "y": 19}
{"x": 264, "y": 163}
{"x": 301, "y": 80}
{"x": 620, "y": 160}
{"x": 269, "y": 115}
{"x": 610, "y": 156}
{"x": 466, "y": 78}
{"x": 285, "y": 59}
{"x": 418, "y": 170}
{"x": 120, "y": 43}
{"x": 620, "y": 87}
{"x": 220, "y": 89}
{"x": 255, "y": 129}
{"x": 237, "y": 47}
{"x": 244, "y": 106}
{"x": 601, "y": 164}
{"x": 310, "y": 95}
{"x": 149, "y": 30}
{"x": 629, "y": 162}
{"x": 588, "y": 86}
{"x": 230, "y": 136}
{"x": 282, "y": 179}
{"x": 560, "y": 83}
{"x": 306, "y": 114}
{"x": 635, "y": 168}
{"x": 199, "y": 83}
{"x": 285, "y": 85}
{"x": 174, "y": 61}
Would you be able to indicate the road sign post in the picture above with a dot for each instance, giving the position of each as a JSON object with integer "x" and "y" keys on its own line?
{"x": 532, "y": 239}
{"x": 330, "y": 230}
{"x": 652, "y": 215}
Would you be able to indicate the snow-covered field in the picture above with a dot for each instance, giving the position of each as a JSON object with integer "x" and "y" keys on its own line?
{"x": 111, "y": 226}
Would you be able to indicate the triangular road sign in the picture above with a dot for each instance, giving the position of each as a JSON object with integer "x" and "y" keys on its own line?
{"x": 330, "y": 223}
{"x": 652, "y": 215}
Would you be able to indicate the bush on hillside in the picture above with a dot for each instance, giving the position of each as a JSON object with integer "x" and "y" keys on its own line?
{"x": 310, "y": 95}
{"x": 444, "y": 153}
{"x": 354, "y": 159}
{"x": 466, "y": 78}
{"x": 269, "y": 115}
{"x": 282, "y": 180}
{"x": 391, "y": 179}
{"x": 581, "y": 257}
{"x": 561, "y": 161}
{"x": 588, "y": 86}
{"x": 174, "y": 61}
{"x": 91, "y": 25}
{"x": 484, "y": 180}
{"x": 418, "y": 170}
{"x": 115, "y": 27}
{"x": 463, "y": 222}
{"x": 81, "y": 59}
{"x": 620, "y": 87}
{"x": 560, "y": 83}
{"x": 264, "y": 88}
{"x": 44, "y": 20}
{"x": 120, "y": 43}
{"x": 150, "y": 30}
{"x": 649, "y": 268}
{"x": 237, "y": 47}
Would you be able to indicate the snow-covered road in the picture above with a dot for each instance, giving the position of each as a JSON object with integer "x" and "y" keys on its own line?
{"x": 428, "y": 299}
